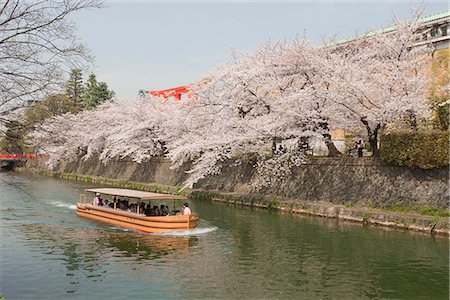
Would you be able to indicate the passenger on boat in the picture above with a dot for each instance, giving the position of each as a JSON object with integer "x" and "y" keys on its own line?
{"x": 186, "y": 209}
{"x": 141, "y": 208}
{"x": 97, "y": 199}
{"x": 156, "y": 211}
{"x": 164, "y": 210}
{"x": 148, "y": 210}
{"x": 122, "y": 205}
{"x": 132, "y": 207}
{"x": 105, "y": 204}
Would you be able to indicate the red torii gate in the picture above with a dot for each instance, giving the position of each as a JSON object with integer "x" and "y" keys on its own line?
{"x": 175, "y": 92}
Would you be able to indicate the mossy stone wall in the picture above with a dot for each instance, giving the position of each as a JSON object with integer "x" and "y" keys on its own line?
{"x": 354, "y": 182}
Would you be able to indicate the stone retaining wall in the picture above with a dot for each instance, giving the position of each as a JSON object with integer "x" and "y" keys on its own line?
{"x": 362, "y": 182}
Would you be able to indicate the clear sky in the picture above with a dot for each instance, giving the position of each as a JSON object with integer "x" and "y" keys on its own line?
{"x": 155, "y": 45}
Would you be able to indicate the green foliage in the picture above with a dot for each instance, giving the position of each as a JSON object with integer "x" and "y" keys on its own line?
{"x": 142, "y": 93}
{"x": 439, "y": 89}
{"x": 53, "y": 105}
{"x": 13, "y": 140}
{"x": 422, "y": 210}
{"x": 87, "y": 95}
{"x": 201, "y": 195}
{"x": 77, "y": 97}
{"x": 249, "y": 158}
{"x": 423, "y": 149}
{"x": 349, "y": 205}
{"x": 74, "y": 87}
{"x": 366, "y": 217}
{"x": 96, "y": 92}
{"x": 431, "y": 211}
{"x": 273, "y": 204}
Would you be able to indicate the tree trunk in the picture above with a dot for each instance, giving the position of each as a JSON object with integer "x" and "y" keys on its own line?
{"x": 372, "y": 136}
{"x": 332, "y": 150}
{"x": 274, "y": 146}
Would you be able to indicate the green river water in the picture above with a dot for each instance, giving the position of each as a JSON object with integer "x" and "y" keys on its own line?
{"x": 47, "y": 252}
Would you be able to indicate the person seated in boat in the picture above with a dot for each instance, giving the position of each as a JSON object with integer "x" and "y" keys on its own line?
{"x": 121, "y": 204}
{"x": 186, "y": 209}
{"x": 148, "y": 210}
{"x": 132, "y": 208}
{"x": 96, "y": 200}
{"x": 141, "y": 208}
{"x": 163, "y": 209}
{"x": 169, "y": 212}
{"x": 106, "y": 203}
{"x": 155, "y": 211}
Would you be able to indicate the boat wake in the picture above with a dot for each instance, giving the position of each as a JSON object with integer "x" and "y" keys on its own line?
{"x": 120, "y": 229}
{"x": 187, "y": 232}
{"x": 62, "y": 204}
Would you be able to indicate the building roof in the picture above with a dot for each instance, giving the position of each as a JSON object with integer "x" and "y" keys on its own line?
{"x": 134, "y": 194}
{"x": 435, "y": 17}
{"x": 426, "y": 19}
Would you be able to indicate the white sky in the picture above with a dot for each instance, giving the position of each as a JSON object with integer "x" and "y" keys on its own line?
{"x": 154, "y": 45}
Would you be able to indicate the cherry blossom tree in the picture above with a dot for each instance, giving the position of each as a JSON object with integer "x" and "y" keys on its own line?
{"x": 246, "y": 105}
{"x": 113, "y": 130}
{"x": 378, "y": 78}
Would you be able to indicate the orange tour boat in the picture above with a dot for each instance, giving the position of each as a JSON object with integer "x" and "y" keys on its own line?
{"x": 126, "y": 208}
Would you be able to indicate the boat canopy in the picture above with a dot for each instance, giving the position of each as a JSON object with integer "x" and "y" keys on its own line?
{"x": 134, "y": 194}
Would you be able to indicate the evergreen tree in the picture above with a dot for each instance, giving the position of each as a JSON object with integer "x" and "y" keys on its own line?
{"x": 90, "y": 97}
{"x": 103, "y": 93}
{"x": 74, "y": 87}
{"x": 96, "y": 92}
{"x": 13, "y": 140}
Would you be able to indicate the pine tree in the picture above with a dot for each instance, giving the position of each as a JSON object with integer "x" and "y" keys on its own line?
{"x": 13, "y": 140}
{"x": 74, "y": 87}
{"x": 103, "y": 93}
{"x": 96, "y": 92}
{"x": 90, "y": 97}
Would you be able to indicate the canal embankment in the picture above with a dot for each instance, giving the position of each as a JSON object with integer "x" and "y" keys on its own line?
{"x": 358, "y": 190}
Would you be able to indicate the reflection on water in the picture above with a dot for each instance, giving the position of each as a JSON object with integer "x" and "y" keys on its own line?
{"x": 49, "y": 253}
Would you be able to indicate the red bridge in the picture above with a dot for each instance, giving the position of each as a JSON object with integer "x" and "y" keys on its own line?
{"x": 17, "y": 156}
{"x": 9, "y": 161}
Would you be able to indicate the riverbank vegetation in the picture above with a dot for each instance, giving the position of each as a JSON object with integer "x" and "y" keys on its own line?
{"x": 271, "y": 104}
{"x": 78, "y": 96}
{"x": 422, "y": 149}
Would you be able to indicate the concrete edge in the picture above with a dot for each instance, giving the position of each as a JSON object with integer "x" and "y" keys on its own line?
{"x": 376, "y": 217}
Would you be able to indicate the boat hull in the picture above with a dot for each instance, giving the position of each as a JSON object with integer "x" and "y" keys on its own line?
{"x": 136, "y": 222}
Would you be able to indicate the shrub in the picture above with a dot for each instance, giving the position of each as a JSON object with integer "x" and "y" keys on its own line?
{"x": 423, "y": 149}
